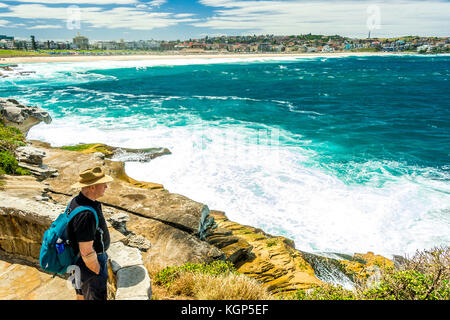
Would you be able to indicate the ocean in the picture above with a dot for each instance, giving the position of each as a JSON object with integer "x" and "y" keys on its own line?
{"x": 341, "y": 154}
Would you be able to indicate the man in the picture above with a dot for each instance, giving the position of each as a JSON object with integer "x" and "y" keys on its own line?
{"x": 85, "y": 239}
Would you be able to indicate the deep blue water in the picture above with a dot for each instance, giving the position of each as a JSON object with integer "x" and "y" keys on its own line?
{"x": 362, "y": 144}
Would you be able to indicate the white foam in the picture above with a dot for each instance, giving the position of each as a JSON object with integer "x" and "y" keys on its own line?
{"x": 256, "y": 181}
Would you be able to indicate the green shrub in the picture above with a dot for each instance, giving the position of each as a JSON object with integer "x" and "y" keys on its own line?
{"x": 423, "y": 277}
{"x": 8, "y": 163}
{"x": 407, "y": 285}
{"x": 10, "y": 138}
{"x": 325, "y": 292}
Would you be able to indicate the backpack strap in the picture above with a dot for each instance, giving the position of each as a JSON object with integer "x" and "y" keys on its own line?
{"x": 77, "y": 210}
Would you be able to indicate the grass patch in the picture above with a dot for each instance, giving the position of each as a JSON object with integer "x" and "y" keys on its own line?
{"x": 90, "y": 148}
{"x": 365, "y": 50}
{"x": 10, "y": 138}
{"x": 218, "y": 280}
{"x": 325, "y": 292}
{"x": 167, "y": 275}
{"x": 19, "y": 53}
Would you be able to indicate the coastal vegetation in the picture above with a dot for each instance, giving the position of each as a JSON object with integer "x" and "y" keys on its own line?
{"x": 90, "y": 148}
{"x": 425, "y": 276}
{"x": 218, "y": 280}
{"x": 10, "y": 139}
{"x": 303, "y": 43}
{"x": 20, "y": 53}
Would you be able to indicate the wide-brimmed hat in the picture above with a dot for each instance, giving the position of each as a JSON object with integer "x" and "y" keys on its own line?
{"x": 92, "y": 176}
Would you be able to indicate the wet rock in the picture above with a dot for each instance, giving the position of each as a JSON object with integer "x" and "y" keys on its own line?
{"x": 118, "y": 221}
{"x": 20, "y": 116}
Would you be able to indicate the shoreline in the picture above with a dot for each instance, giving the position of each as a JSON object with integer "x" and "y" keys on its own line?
{"x": 87, "y": 58}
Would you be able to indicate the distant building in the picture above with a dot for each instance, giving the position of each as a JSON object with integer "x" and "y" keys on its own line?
{"x": 327, "y": 48}
{"x": 4, "y": 37}
{"x": 108, "y": 45}
{"x": 80, "y": 42}
{"x": 264, "y": 47}
{"x": 424, "y": 48}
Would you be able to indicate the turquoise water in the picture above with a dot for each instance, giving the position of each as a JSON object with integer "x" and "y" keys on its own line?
{"x": 345, "y": 154}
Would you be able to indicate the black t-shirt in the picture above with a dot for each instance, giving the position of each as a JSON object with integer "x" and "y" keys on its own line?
{"x": 82, "y": 227}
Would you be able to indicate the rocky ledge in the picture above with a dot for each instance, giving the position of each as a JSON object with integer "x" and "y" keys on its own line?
{"x": 154, "y": 226}
{"x": 22, "y": 117}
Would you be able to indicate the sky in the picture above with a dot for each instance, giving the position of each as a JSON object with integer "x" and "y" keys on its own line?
{"x": 193, "y": 19}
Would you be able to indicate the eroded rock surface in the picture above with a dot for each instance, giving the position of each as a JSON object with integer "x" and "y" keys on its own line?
{"x": 21, "y": 116}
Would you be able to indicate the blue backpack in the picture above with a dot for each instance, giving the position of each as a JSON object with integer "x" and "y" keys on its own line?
{"x": 56, "y": 254}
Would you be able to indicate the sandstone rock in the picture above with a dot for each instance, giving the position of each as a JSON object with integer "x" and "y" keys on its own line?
{"x": 143, "y": 198}
{"x": 136, "y": 241}
{"x": 123, "y": 256}
{"x": 22, "y": 186}
{"x": 347, "y": 270}
{"x": 362, "y": 266}
{"x": 270, "y": 260}
{"x": 23, "y": 282}
{"x": 171, "y": 246}
{"x": 30, "y": 155}
{"x": 21, "y": 116}
{"x": 329, "y": 269}
{"x": 41, "y": 172}
{"x": 118, "y": 221}
{"x": 31, "y": 158}
{"x": 119, "y": 153}
{"x": 138, "y": 155}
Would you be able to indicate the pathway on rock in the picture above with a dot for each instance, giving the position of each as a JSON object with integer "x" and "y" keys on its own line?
{"x": 24, "y": 282}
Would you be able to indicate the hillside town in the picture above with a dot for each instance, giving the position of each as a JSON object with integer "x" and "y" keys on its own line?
{"x": 307, "y": 43}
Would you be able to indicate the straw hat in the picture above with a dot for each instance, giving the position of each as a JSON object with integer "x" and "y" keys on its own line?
{"x": 92, "y": 176}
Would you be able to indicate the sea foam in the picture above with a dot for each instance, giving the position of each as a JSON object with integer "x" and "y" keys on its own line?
{"x": 337, "y": 165}
{"x": 247, "y": 174}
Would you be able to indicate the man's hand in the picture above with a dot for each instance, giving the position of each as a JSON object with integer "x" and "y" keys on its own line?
{"x": 89, "y": 256}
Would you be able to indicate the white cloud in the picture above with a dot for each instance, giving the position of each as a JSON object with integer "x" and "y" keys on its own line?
{"x": 97, "y": 17}
{"x": 4, "y": 23}
{"x": 328, "y": 17}
{"x": 77, "y": 2}
{"x": 184, "y": 15}
{"x": 157, "y": 3}
{"x": 46, "y": 26}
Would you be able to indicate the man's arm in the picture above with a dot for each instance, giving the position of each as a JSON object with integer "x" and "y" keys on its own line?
{"x": 89, "y": 256}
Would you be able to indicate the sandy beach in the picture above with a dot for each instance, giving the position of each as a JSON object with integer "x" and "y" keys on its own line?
{"x": 80, "y": 58}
